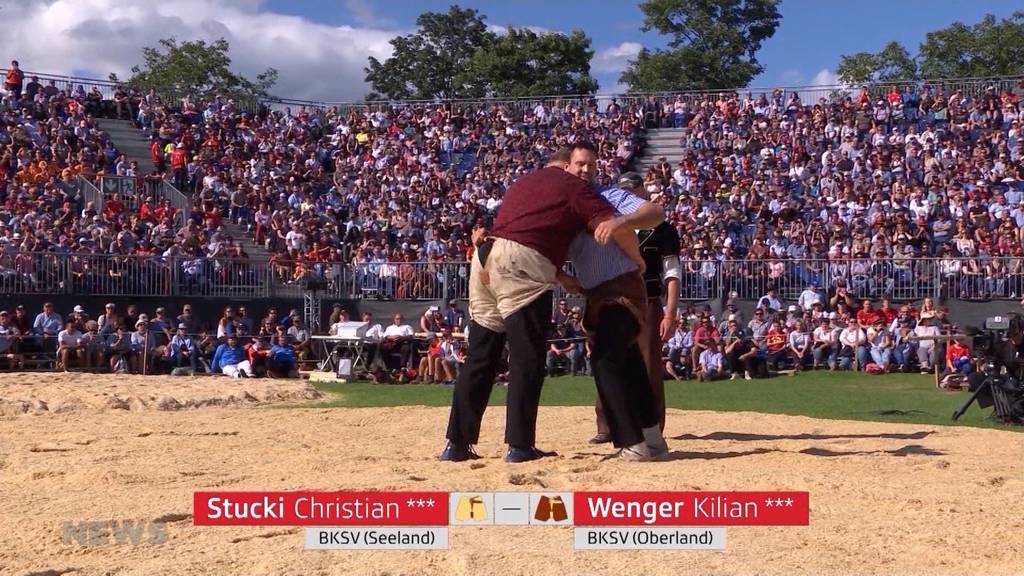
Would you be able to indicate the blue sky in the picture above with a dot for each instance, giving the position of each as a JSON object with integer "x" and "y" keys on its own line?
{"x": 320, "y": 47}
{"x": 805, "y": 49}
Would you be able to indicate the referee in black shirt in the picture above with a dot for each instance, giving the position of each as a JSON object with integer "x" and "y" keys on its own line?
{"x": 660, "y": 250}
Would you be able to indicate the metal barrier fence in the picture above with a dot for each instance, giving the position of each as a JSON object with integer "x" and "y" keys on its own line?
{"x": 129, "y": 275}
{"x": 808, "y": 94}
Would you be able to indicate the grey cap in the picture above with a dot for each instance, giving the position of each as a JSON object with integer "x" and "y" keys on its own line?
{"x": 630, "y": 179}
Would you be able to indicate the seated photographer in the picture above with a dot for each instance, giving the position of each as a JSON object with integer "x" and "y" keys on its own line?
{"x": 92, "y": 346}
{"x": 258, "y": 352}
{"x": 711, "y": 364}
{"x": 561, "y": 347}
{"x": 69, "y": 346}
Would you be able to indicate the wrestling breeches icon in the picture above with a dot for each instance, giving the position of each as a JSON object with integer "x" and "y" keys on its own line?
{"x": 550, "y": 509}
{"x": 470, "y": 508}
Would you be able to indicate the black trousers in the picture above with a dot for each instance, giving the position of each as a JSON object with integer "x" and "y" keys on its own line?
{"x": 525, "y": 332}
{"x": 621, "y": 376}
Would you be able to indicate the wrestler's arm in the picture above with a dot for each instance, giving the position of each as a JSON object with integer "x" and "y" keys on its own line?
{"x": 627, "y": 241}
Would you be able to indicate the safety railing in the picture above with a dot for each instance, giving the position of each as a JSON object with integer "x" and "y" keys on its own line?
{"x": 899, "y": 279}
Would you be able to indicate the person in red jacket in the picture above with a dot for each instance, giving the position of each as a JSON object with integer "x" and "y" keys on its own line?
{"x": 179, "y": 166}
{"x": 156, "y": 154}
{"x": 14, "y": 80}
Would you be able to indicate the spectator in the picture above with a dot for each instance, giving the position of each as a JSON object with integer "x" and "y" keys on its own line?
{"x": 881, "y": 344}
{"x": 119, "y": 344}
{"x": 799, "y": 341}
{"x": 958, "y": 358}
{"x": 299, "y": 337}
{"x": 852, "y": 347}
{"x": 679, "y": 352}
{"x": 397, "y": 343}
{"x": 9, "y": 340}
{"x": 69, "y": 346}
{"x": 825, "y": 346}
{"x": 182, "y": 351}
{"x": 46, "y": 327}
{"x": 561, "y": 348}
{"x": 776, "y": 344}
{"x": 712, "y": 363}
{"x": 283, "y": 359}
{"x": 230, "y": 359}
{"x": 926, "y": 347}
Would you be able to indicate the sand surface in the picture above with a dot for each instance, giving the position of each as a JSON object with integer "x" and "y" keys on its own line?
{"x": 885, "y": 498}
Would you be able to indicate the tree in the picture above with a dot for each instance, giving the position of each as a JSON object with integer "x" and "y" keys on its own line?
{"x": 892, "y": 63}
{"x": 524, "y": 63}
{"x": 714, "y": 44}
{"x": 195, "y": 68}
{"x": 430, "y": 63}
{"x": 989, "y": 48}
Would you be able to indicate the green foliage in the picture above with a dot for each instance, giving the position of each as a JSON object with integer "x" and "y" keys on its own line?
{"x": 431, "y": 62}
{"x": 989, "y": 48}
{"x": 524, "y": 63}
{"x": 195, "y": 68}
{"x": 454, "y": 55}
{"x": 892, "y": 63}
{"x": 713, "y": 44}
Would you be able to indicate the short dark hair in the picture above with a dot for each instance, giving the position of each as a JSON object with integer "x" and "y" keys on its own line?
{"x": 561, "y": 155}
{"x": 583, "y": 145}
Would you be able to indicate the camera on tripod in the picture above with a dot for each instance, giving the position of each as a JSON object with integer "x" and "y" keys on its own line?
{"x": 999, "y": 383}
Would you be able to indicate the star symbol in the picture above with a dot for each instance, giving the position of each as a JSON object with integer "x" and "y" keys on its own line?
{"x": 421, "y": 503}
{"x": 768, "y": 502}
{"x": 430, "y": 503}
{"x": 778, "y": 502}
{"x": 789, "y": 502}
{"x": 410, "y": 503}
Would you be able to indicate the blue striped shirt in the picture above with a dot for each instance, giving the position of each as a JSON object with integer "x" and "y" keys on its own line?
{"x": 596, "y": 263}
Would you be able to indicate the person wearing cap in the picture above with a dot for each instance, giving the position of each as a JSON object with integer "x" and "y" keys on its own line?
{"x": 80, "y": 317}
{"x": 230, "y": 359}
{"x": 182, "y": 350}
{"x": 454, "y": 318}
{"x": 161, "y": 327}
{"x": 109, "y": 320}
{"x": 659, "y": 247}
{"x": 142, "y": 345}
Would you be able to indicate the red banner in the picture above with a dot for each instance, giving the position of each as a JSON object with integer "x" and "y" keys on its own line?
{"x": 691, "y": 508}
{"x": 320, "y": 508}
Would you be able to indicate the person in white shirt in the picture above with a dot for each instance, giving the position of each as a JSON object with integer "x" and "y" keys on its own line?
{"x": 825, "y": 346}
{"x": 926, "y": 348}
{"x": 68, "y": 345}
{"x": 799, "y": 345}
{"x": 881, "y": 344}
{"x": 398, "y": 339}
{"x": 852, "y": 341}
{"x": 809, "y": 296}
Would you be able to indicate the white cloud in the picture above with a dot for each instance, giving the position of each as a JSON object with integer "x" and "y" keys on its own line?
{"x": 615, "y": 58}
{"x": 363, "y": 14}
{"x": 825, "y": 77}
{"x": 315, "y": 61}
{"x": 502, "y": 30}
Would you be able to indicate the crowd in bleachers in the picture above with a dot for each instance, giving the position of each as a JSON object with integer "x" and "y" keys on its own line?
{"x": 894, "y": 192}
{"x": 879, "y": 191}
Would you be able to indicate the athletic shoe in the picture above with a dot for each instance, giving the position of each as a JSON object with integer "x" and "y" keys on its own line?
{"x": 518, "y": 455}
{"x": 458, "y": 453}
{"x": 601, "y": 438}
{"x": 747, "y": 376}
{"x": 636, "y": 453}
{"x": 733, "y": 377}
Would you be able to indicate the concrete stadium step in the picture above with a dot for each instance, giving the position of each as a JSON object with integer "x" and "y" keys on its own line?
{"x": 239, "y": 233}
{"x": 129, "y": 140}
{"x": 659, "y": 142}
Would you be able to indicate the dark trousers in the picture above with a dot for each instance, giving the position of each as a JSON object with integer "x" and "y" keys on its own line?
{"x": 650, "y": 347}
{"x": 626, "y": 402}
{"x": 182, "y": 361}
{"x": 525, "y": 332}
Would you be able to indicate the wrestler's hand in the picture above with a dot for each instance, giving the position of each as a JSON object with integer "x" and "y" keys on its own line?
{"x": 570, "y": 283}
{"x": 668, "y": 327}
{"x": 604, "y": 231}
